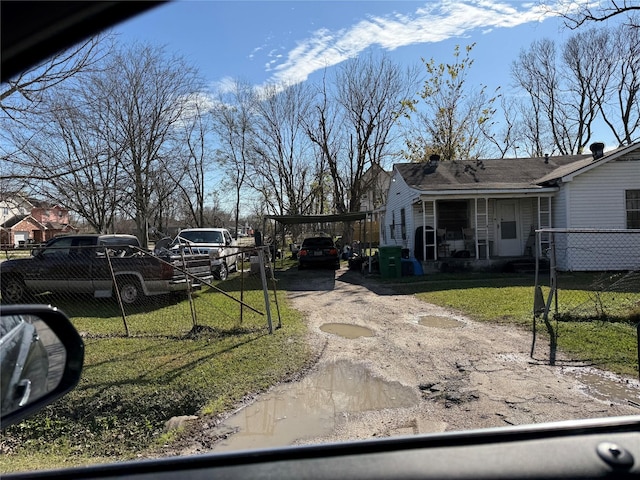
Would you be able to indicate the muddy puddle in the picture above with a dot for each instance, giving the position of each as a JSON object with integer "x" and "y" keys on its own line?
{"x": 347, "y": 331}
{"x": 311, "y": 407}
{"x": 439, "y": 322}
{"x": 609, "y": 390}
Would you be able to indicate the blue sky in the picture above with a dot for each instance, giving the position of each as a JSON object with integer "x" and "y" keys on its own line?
{"x": 267, "y": 41}
{"x": 271, "y": 41}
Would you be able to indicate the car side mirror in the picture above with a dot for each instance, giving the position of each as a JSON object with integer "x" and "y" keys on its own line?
{"x": 41, "y": 358}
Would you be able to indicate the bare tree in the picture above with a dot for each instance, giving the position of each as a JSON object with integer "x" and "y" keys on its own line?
{"x": 447, "y": 118}
{"x": 21, "y": 97}
{"x": 281, "y": 161}
{"x": 111, "y": 137}
{"x": 353, "y": 124}
{"x": 234, "y": 123}
{"x": 144, "y": 92}
{"x": 66, "y": 152}
{"x": 577, "y": 14}
{"x": 565, "y": 94}
{"x": 587, "y": 59}
{"x": 190, "y": 180}
{"x": 506, "y": 139}
{"x": 621, "y": 108}
{"x": 597, "y": 77}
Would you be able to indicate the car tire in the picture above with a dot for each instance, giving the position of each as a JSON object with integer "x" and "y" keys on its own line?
{"x": 222, "y": 273}
{"x": 129, "y": 291}
{"x": 13, "y": 290}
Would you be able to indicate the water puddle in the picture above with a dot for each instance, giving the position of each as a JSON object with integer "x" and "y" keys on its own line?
{"x": 347, "y": 331}
{"x": 439, "y": 322}
{"x": 609, "y": 390}
{"x": 312, "y": 407}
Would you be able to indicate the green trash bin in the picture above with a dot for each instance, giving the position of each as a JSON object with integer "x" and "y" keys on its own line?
{"x": 390, "y": 261}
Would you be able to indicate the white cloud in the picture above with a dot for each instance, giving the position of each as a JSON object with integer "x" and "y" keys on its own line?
{"x": 433, "y": 22}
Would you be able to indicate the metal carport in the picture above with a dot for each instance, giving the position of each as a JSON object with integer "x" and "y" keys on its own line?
{"x": 331, "y": 218}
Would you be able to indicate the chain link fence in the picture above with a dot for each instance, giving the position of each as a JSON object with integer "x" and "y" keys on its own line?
{"x": 141, "y": 292}
{"x": 593, "y": 276}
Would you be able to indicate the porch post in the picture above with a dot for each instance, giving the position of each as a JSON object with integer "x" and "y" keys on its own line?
{"x": 424, "y": 232}
{"x": 476, "y": 229}
{"x": 436, "y": 253}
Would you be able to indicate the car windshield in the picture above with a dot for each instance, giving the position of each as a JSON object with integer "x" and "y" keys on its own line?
{"x": 317, "y": 242}
{"x": 474, "y": 166}
{"x": 118, "y": 241}
{"x": 201, "y": 237}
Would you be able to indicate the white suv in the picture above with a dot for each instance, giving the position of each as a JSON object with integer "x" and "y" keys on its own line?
{"x": 216, "y": 242}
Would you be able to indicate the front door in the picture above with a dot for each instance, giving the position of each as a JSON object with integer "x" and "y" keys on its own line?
{"x": 508, "y": 226}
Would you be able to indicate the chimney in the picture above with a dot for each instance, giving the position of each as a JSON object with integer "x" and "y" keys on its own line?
{"x": 597, "y": 149}
{"x": 546, "y": 158}
{"x": 434, "y": 160}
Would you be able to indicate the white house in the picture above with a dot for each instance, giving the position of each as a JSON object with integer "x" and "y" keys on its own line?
{"x": 487, "y": 210}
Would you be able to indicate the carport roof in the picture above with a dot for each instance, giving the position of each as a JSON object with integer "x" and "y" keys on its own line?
{"x": 298, "y": 219}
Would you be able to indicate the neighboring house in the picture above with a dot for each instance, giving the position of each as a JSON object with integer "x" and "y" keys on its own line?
{"x": 12, "y": 205}
{"x": 488, "y": 210}
{"x": 40, "y": 224}
{"x": 376, "y": 181}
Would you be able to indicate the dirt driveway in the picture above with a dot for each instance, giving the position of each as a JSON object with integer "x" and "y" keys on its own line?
{"x": 467, "y": 374}
{"x": 428, "y": 370}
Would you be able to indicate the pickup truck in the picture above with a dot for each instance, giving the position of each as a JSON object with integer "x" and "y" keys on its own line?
{"x": 79, "y": 264}
{"x": 216, "y": 242}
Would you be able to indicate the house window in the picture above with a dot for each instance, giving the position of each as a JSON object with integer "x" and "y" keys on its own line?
{"x": 633, "y": 208}
{"x": 403, "y": 224}
{"x": 5, "y": 211}
{"x": 453, "y": 216}
{"x": 392, "y": 227}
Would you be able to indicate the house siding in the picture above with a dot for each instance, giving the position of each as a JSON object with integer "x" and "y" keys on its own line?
{"x": 607, "y": 183}
{"x": 400, "y": 196}
{"x": 599, "y": 251}
{"x": 559, "y": 209}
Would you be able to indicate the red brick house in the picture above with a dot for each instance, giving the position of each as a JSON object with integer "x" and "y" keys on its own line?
{"x": 40, "y": 225}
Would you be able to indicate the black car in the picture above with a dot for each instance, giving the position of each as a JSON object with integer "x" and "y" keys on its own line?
{"x": 318, "y": 251}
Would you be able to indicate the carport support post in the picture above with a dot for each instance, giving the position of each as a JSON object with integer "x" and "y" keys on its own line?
{"x": 265, "y": 289}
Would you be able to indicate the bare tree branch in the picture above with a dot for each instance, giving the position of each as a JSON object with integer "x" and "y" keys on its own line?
{"x": 577, "y": 15}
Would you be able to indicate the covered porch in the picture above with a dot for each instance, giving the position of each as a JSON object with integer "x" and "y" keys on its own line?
{"x": 479, "y": 230}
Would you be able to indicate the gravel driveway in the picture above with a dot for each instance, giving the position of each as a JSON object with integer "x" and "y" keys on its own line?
{"x": 473, "y": 375}
{"x": 439, "y": 370}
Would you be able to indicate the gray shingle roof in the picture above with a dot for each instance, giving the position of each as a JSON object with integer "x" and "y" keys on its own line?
{"x": 510, "y": 173}
{"x": 13, "y": 221}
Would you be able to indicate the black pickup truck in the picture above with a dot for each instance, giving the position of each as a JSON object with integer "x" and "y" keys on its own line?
{"x": 89, "y": 263}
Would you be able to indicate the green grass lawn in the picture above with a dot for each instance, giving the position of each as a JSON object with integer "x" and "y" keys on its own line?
{"x": 132, "y": 384}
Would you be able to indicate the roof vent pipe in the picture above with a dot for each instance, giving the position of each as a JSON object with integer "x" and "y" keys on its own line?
{"x": 546, "y": 158}
{"x": 434, "y": 160}
{"x": 597, "y": 149}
